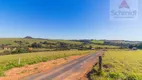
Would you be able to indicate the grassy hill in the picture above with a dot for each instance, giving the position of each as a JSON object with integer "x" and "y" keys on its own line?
{"x": 26, "y": 45}
{"x": 102, "y": 46}
{"x": 122, "y": 42}
{"x": 11, "y": 41}
{"x": 98, "y": 41}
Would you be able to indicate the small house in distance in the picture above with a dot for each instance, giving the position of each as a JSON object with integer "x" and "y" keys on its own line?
{"x": 6, "y": 48}
{"x": 134, "y": 48}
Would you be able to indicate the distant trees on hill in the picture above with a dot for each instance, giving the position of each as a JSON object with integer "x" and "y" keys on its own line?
{"x": 28, "y": 37}
{"x": 22, "y": 46}
{"x": 62, "y": 46}
{"x": 139, "y": 46}
{"x": 36, "y": 45}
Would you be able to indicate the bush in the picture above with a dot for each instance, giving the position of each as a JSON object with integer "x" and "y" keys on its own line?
{"x": 2, "y": 73}
{"x": 36, "y": 45}
{"x": 116, "y": 75}
{"x": 101, "y": 73}
{"x": 132, "y": 76}
{"x": 20, "y": 50}
{"x": 6, "y": 52}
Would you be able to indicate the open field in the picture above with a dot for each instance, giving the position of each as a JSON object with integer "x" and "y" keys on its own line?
{"x": 102, "y": 46}
{"x": 10, "y": 61}
{"x": 120, "y": 65}
{"x": 98, "y": 41}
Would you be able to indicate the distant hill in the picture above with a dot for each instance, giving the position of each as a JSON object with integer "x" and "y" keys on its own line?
{"x": 28, "y": 37}
{"x": 122, "y": 41}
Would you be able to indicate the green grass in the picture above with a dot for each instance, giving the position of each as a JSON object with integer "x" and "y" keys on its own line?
{"x": 98, "y": 41}
{"x": 10, "y": 61}
{"x": 69, "y": 42}
{"x": 102, "y": 46}
{"x": 120, "y": 65}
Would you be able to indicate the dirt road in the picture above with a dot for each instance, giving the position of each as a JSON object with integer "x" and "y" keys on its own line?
{"x": 73, "y": 70}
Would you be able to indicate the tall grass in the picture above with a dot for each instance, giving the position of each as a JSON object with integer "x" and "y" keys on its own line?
{"x": 120, "y": 65}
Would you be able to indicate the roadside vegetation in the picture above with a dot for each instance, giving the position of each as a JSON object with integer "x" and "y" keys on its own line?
{"x": 119, "y": 65}
{"x": 10, "y": 61}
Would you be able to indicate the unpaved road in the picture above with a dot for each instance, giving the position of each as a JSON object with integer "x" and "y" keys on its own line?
{"x": 73, "y": 70}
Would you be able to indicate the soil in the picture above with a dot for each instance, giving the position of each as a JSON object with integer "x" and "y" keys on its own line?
{"x": 17, "y": 73}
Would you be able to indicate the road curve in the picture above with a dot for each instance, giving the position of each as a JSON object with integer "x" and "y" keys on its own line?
{"x": 70, "y": 71}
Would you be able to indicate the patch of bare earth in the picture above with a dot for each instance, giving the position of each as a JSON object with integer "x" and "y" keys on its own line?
{"x": 17, "y": 73}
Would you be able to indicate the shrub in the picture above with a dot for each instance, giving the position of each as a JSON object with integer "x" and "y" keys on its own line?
{"x": 132, "y": 76}
{"x": 101, "y": 73}
{"x": 116, "y": 75}
{"x": 6, "y": 52}
{"x": 2, "y": 73}
{"x": 36, "y": 45}
{"x": 20, "y": 50}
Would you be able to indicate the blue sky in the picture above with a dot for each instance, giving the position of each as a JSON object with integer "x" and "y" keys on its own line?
{"x": 65, "y": 19}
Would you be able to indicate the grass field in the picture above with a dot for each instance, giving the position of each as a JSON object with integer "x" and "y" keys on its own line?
{"x": 120, "y": 65}
{"x": 102, "y": 46}
{"x": 98, "y": 41}
{"x": 10, "y": 61}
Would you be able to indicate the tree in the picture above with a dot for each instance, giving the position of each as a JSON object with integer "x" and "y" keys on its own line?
{"x": 63, "y": 46}
{"x": 81, "y": 47}
{"x": 45, "y": 42}
{"x": 139, "y": 46}
{"x": 90, "y": 47}
{"x": 36, "y": 45}
{"x": 131, "y": 46}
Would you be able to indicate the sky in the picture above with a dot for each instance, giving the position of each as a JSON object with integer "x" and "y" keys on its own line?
{"x": 65, "y": 19}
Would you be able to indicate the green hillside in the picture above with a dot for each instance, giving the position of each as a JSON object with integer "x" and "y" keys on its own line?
{"x": 11, "y": 41}
{"x": 98, "y": 41}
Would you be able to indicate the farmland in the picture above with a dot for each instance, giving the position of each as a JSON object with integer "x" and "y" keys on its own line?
{"x": 10, "y": 61}
{"x": 30, "y": 41}
{"x": 17, "y": 55}
{"x": 102, "y": 46}
{"x": 27, "y": 45}
{"x": 119, "y": 65}
{"x": 98, "y": 41}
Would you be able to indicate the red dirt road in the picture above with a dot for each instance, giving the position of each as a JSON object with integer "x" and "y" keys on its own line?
{"x": 73, "y": 70}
